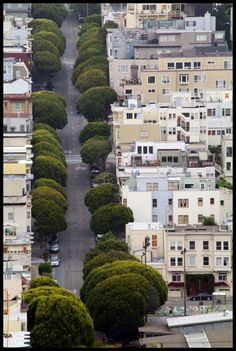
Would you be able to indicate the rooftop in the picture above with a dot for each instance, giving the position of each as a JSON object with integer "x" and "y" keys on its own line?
{"x": 200, "y": 319}
{"x": 145, "y": 226}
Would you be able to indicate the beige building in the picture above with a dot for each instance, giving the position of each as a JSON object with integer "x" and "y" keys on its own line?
{"x": 227, "y": 157}
{"x": 157, "y": 79}
{"x": 209, "y": 252}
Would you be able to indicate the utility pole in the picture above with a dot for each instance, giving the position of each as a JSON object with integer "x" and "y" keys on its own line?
{"x": 183, "y": 253}
{"x": 146, "y": 244}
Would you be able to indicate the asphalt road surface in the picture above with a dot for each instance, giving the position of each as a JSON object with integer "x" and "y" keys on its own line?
{"x": 77, "y": 239}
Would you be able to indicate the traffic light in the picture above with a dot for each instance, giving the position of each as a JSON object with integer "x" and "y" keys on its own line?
{"x": 147, "y": 241}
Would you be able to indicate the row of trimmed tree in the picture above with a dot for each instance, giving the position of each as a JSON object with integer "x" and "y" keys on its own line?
{"x": 119, "y": 290}
{"x": 50, "y": 174}
{"x": 48, "y": 41}
{"x": 90, "y": 74}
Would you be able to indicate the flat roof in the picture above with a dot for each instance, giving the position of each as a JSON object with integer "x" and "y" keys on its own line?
{"x": 199, "y": 319}
{"x": 145, "y": 226}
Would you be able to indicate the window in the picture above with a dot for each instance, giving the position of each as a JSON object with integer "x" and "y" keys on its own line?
{"x": 190, "y": 23}
{"x": 154, "y": 218}
{"x": 211, "y": 112}
{"x": 218, "y": 245}
{"x": 172, "y": 245}
{"x": 201, "y": 37}
{"x": 222, "y": 276}
{"x": 145, "y": 149}
{"x": 17, "y": 106}
{"x": 197, "y": 78}
{"x": 179, "y": 245}
{"x": 226, "y": 112}
{"x": 172, "y": 261}
{"x": 139, "y": 149}
{"x": 144, "y": 134}
{"x": 11, "y": 216}
{"x": 150, "y": 149}
{"x": 228, "y": 166}
{"x": 154, "y": 240}
{"x": 212, "y": 217}
{"x": 129, "y": 115}
{"x": 187, "y": 65}
{"x": 170, "y": 65}
{"x": 155, "y": 186}
{"x": 192, "y": 260}
{"x": 154, "y": 202}
{"x": 200, "y": 201}
{"x": 124, "y": 201}
{"x": 175, "y": 158}
{"x": 179, "y": 65}
{"x": 151, "y": 90}
{"x": 229, "y": 151}
{"x": 225, "y": 261}
{"x": 28, "y": 214}
{"x": 227, "y": 64}
{"x": 4, "y": 128}
{"x": 163, "y": 159}
{"x": 189, "y": 186}
{"x": 206, "y": 261}
{"x": 149, "y": 7}
{"x": 212, "y": 201}
{"x": 166, "y": 38}
{"x": 151, "y": 79}
{"x": 165, "y": 91}
{"x": 28, "y": 228}
{"x": 180, "y": 261}
{"x": 128, "y": 91}
{"x": 192, "y": 245}
{"x": 220, "y": 83}
{"x": 205, "y": 245}
{"x": 169, "y": 201}
{"x": 183, "y": 203}
{"x": 182, "y": 219}
{"x": 123, "y": 68}
{"x": 176, "y": 277}
{"x": 165, "y": 79}
{"x": 197, "y": 65}
{"x": 183, "y": 79}
{"x": 200, "y": 218}
{"x": 226, "y": 245}
{"x": 148, "y": 186}
{"x": 221, "y": 202}
{"x": 173, "y": 185}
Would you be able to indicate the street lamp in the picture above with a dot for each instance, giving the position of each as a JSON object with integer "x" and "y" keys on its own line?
{"x": 183, "y": 253}
{"x": 146, "y": 244}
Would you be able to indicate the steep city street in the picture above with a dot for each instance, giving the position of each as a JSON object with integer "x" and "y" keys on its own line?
{"x": 76, "y": 240}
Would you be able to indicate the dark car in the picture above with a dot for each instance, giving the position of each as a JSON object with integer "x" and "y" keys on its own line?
{"x": 201, "y": 297}
{"x": 53, "y": 239}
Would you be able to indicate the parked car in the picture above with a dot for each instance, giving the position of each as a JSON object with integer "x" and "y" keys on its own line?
{"x": 94, "y": 172}
{"x": 53, "y": 239}
{"x": 55, "y": 261}
{"x": 54, "y": 247}
{"x": 201, "y": 297}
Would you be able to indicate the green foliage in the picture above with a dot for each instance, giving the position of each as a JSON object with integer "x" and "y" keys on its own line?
{"x": 57, "y": 156}
{"x": 48, "y": 222}
{"x": 96, "y": 150}
{"x": 52, "y": 37}
{"x": 44, "y": 267}
{"x": 63, "y": 324}
{"x": 221, "y": 181}
{"x": 100, "y": 59}
{"x": 43, "y": 126}
{"x": 50, "y": 11}
{"x": 94, "y": 104}
{"x": 46, "y": 192}
{"x": 49, "y": 95}
{"x": 39, "y": 282}
{"x": 95, "y": 43}
{"x": 47, "y": 62}
{"x": 40, "y": 24}
{"x": 48, "y": 110}
{"x": 105, "y": 177}
{"x": 93, "y": 19}
{"x": 208, "y": 221}
{"x": 94, "y": 129}
{"x": 222, "y": 13}
{"x": 87, "y": 8}
{"x": 112, "y": 217}
{"x": 90, "y": 78}
{"x": 100, "y": 196}
{"x": 101, "y": 66}
{"x": 43, "y": 146}
{"x": 105, "y": 257}
{"x": 86, "y": 26}
{"x": 110, "y": 24}
{"x": 118, "y": 305}
{"x": 49, "y": 167}
{"x": 40, "y": 136}
{"x": 107, "y": 243}
{"x": 101, "y": 273}
{"x": 50, "y": 183}
{"x": 44, "y": 45}
{"x": 88, "y": 53}
{"x": 91, "y": 33}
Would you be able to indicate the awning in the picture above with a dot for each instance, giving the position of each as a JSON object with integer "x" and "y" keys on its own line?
{"x": 175, "y": 284}
{"x": 221, "y": 284}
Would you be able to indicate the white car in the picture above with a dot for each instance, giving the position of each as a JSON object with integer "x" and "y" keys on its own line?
{"x": 55, "y": 261}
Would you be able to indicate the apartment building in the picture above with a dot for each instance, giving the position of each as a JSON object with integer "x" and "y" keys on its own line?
{"x": 113, "y": 12}
{"x": 194, "y": 74}
{"x": 22, "y": 10}
{"x": 208, "y": 257}
{"x": 227, "y": 157}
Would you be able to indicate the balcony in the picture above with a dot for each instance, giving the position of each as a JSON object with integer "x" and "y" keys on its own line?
{"x": 130, "y": 82}
{"x": 201, "y": 163}
{"x": 14, "y": 200}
